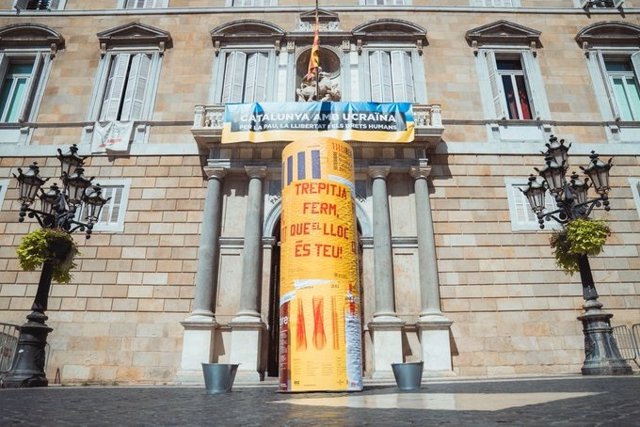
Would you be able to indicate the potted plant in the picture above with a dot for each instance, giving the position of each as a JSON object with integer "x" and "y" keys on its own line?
{"x": 579, "y": 237}
{"x": 49, "y": 244}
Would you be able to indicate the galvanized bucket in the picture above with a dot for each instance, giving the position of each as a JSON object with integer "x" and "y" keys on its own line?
{"x": 218, "y": 377}
{"x": 408, "y": 375}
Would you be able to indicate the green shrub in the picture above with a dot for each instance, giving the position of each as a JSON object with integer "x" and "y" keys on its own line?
{"x": 581, "y": 236}
{"x": 47, "y": 244}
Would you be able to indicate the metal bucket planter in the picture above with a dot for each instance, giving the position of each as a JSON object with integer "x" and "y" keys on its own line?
{"x": 408, "y": 375}
{"x": 218, "y": 377}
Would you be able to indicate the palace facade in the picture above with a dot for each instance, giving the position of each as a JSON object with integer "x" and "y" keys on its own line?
{"x": 183, "y": 266}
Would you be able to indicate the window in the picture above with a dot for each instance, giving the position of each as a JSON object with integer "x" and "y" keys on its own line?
{"x": 113, "y": 212}
{"x": 26, "y": 55}
{"x": 244, "y": 79}
{"x": 635, "y": 190}
{"x": 522, "y": 217}
{"x": 245, "y": 64}
{"x": 596, "y": 4}
{"x": 249, "y": 3}
{"x": 613, "y": 60}
{"x": 143, "y": 4}
{"x": 623, "y": 85}
{"x": 385, "y": 2}
{"x": 126, "y": 81}
{"x": 494, "y": 3}
{"x": 390, "y": 61}
{"x": 39, "y": 4}
{"x": 126, "y": 87}
{"x": 510, "y": 81}
{"x": 511, "y": 87}
{"x": 4, "y": 183}
{"x": 391, "y": 76}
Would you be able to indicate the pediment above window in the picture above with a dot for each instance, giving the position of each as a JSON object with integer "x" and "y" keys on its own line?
{"x": 246, "y": 31}
{"x": 134, "y": 34}
{"x": 609, "y": 34}
{"x": 329, "y": 21}
{"x": 503, "y": 33}
{"x": 390, "y": 30}
{"x": 30, "y": 36}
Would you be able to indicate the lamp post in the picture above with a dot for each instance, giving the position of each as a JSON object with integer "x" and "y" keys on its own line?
{"x": 602, "y": 356}
{"x": 58, "y": 208}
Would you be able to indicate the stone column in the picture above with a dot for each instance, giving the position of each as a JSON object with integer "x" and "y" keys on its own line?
{"x": 200, "y": 326}
{"x": 386, "y": 327}
{"x": 247, "y": 326}
{"x": 432, "y": 325}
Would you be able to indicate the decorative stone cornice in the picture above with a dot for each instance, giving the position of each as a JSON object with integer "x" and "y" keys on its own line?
{"x": 31, "y": 36}
{"x": 503, "y": 33}
{"x": 246, "y": 31}
{"x": 134, "y": 34}
{"x": 610, "y": 34}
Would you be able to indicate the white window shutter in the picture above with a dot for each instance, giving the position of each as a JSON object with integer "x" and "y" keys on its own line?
{"x": 115, "y": 87}
{"x": 497, "y": 91}
{"x": 137, "y": 80}
{"x": 602, "y": 71}
{"x": 261, "y": 77}
{"x": 385, "y": 79}
{"x": 251, "y": 78}
{"x": 32, "y": 86}
{"x": 402, "y": 76}
{"x": 537, "y": 93}
{"x": 617, "y": 3}
{"x": 375, "y": 75}
{"x": 234, "y": 77}
{"x": 21, "y": 4}
{"x": 635, "y": 62}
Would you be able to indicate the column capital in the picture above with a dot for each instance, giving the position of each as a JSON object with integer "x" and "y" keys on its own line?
{"x": 420, "y": 171}
{"x": 217, "y": 172}
{"x": 256, "y": 171}
{"x": 379, "y": 171}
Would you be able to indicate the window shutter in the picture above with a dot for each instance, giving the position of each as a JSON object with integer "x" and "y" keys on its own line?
{"x": 635, "y": 62}
{"x": 261, "y": 77}
{"x": 115, "y": 87}
{"x": 32, "y": 86}
{"x": 4, "y": 64}
{"x": 375, "y": 75}
{"x": 402, "y": 76}
{"x": 137, "y": 80}
{"x": 251, "y": 78}
{"x": 234, "y": 75}
{"x": 538, "y": 96}
{"x": 53, "y": 4}
{"x": 606, "y": 81}
{"x": 497, "y": 91}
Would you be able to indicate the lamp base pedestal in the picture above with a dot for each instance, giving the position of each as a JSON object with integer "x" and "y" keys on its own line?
{"x": 27, "y": 369}
{"x": 602, "y": 356}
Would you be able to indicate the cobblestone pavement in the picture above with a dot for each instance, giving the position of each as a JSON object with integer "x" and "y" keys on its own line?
{"x": 565, "y": 401}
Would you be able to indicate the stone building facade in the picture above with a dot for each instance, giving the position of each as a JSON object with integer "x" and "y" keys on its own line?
{"x": 183, "y": 267}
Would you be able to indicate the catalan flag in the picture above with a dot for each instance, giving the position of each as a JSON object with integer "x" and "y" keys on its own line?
{"x": 314, "y": 59}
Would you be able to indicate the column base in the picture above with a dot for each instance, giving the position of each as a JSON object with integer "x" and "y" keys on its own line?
{"x": 386, "y": 334}
{"x": 433, "y": 330}
{"x": 197, "y": 347}
{"x": 602, "y": 355}
{"x": 246, "y": 345}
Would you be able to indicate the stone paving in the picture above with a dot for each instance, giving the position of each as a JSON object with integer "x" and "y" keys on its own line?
{"x": 565, "y": 401}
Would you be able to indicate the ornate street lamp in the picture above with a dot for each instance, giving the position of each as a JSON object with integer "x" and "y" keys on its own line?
{"x": 58, "y": 208}
{"x": 602, "y": 356}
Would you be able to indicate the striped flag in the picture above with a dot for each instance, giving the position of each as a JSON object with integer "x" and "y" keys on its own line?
{"x": 314, "y": 59}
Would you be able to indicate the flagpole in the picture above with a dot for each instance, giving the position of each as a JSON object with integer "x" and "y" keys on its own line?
{"x": 318, "y": 67}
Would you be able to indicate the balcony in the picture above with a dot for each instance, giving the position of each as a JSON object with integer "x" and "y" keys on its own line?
{"x": 208, "y": 119}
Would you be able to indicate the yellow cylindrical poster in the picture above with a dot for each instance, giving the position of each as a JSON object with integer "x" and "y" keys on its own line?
{"x": 320, "y": 327}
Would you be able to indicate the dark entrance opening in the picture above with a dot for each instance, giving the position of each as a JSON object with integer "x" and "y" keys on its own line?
{"x": 274, "y": 306}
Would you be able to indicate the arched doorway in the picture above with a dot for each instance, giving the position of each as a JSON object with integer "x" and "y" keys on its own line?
{"x": 274, "y": 301}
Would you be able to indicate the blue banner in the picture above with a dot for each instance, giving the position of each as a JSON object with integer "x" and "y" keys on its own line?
{"x": 348, "y": 121}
